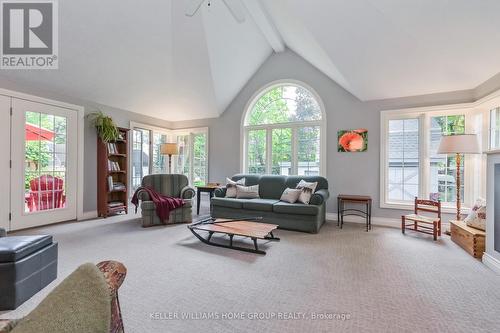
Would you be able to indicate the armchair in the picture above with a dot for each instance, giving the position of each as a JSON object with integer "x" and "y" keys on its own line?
{"x": 172, "y": 185}
{"x": 86, "y": 301}
{"x": 3, "y": 233}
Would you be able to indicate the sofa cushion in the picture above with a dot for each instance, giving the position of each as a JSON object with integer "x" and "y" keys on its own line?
{"x": 265, "y": 205}
{"x": 271, "y": 187}
{"x": 228, "y": 202}
{"x": 293, "y": 181}
{"x": 15, "y": 248}
{"x": 295, "y": 208}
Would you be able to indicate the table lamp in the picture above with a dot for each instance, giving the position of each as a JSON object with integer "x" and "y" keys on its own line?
{"x": 169, "y": 149}
{"x": 459, "y": 144}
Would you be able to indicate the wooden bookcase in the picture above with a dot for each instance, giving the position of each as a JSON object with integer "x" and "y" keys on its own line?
{"x": 113, "y": 161}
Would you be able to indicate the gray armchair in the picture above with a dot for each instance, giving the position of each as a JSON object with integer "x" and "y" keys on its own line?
{"x": 172, "y": 185}
{"x": 3, "y": 233}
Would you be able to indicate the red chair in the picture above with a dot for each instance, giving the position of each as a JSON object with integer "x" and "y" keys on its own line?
{"x": 46, "y": 192}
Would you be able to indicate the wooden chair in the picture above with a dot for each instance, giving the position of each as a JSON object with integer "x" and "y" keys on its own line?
{"x": 421, "y": 223}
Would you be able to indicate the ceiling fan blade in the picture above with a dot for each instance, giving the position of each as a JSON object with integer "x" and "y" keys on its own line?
{"x": 192, "y": 7}
{"x": 236, "y": 9}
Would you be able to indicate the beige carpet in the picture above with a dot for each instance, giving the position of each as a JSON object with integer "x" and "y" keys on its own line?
{"x": 380, "y": 281}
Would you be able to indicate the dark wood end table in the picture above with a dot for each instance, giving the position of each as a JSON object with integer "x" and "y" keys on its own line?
{"x": 366, "y": 200}
{"x": 210, "y": 189}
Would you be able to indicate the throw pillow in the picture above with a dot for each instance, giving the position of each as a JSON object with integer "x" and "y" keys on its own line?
{"x": 290, "y": 195}
{"x": 477, "y": 216}
{"x": 307, "y": 190}
{"x": 231, "y": 187}
{"x": 247, "y": 192}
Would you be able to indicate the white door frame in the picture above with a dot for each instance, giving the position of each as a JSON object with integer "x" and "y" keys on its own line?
{"x": 80, "y": 138}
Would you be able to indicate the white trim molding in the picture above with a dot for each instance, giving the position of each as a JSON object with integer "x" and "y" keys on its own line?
{"x": 491, "y": 262}
{"x": 377, "y": 221}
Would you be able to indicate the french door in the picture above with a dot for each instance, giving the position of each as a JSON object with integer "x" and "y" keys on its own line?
{"x": 43, "y": 164}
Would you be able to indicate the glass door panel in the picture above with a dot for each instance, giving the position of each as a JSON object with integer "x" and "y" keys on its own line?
{"x": 44, "y": 171}
{"x": 140, "y": 155}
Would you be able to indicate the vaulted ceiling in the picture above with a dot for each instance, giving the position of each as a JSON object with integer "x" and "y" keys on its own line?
{"x": 149, "y": 57}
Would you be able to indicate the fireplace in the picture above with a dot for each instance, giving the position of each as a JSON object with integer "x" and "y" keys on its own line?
{"x": 496, "y": 210}
{"x": 492, "y": 255}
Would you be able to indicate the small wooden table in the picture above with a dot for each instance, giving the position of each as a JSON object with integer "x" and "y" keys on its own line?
{"x": 358, "y": 199}
{"x": 207, "y": 189}
{"x": 233, "y": 227}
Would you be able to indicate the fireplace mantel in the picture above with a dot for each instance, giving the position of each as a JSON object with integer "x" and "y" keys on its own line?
{"x": 491, "y": 257}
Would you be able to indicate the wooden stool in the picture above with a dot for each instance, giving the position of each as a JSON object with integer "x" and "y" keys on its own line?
{"x": 424, "y": 224}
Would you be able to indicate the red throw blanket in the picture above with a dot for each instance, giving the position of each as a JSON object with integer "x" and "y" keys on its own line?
{"x": 163, "y": 203}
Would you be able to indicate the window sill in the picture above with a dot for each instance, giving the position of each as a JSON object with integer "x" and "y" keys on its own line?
{"x": 405, "y": 206}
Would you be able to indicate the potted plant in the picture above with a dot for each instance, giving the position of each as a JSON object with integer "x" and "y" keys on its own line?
{"x": 105, "y": 126}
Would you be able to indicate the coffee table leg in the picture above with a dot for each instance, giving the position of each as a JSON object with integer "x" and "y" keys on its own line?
{"x": 198, "y": 202}
{"x": 271, "y": 237}
{"x": 210, "y": 233}
{"x": 255, "y": 243}
{"x": 231, "y": 240}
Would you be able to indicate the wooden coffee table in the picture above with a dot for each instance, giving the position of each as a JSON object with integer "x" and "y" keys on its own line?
{"x": 235, "y": 227}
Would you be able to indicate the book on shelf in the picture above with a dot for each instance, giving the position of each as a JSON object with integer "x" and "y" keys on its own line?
{"x": 113, "y": 204}
{"x": 112, "y": 148}
{"x": 110, "y": 183}
{"x": 113, "y": 166}
{"x": 117, "y": 186}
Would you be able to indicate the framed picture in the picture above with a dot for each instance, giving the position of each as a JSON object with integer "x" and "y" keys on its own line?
{"x": 355, "y": 140}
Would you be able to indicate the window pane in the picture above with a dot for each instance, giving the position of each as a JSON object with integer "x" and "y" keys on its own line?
{"x": 403, "y": 160}
{"x": 308, "y": 150}
{"x": 257, "y": 151}
{"x": 183, "y": 159}
{"x": 495, "y": 128}
{"x": 282, "y": 151}
{"x": 282, "y": 104}
{"x": 160, "y": 162}
{"x": 140, "y": 156}
{"x": 45, "y": 162}
{"x": 200, "y": 160}
{"x": 443, "y": 167}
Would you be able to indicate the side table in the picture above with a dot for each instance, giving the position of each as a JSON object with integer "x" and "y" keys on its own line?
{"x": 365, "y": 200}
{"x": 210, "y": 189}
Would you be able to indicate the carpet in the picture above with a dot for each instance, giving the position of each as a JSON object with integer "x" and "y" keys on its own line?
{"x": 337, "y": 280}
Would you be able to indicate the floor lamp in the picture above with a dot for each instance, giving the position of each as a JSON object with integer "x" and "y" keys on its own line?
{"x": 459, "y": 144}
{"x": 169, "y": 149}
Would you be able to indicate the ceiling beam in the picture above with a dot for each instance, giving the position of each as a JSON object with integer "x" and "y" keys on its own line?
{"x": 265, "y": 24}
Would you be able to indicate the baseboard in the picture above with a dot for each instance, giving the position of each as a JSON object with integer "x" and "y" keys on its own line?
{"x": 88, "y": 215}
{"x": 380, "y": 221}
{"x": 491, "y": 262}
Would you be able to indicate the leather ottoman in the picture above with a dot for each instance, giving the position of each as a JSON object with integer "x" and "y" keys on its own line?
{"x": 27, "y": 265}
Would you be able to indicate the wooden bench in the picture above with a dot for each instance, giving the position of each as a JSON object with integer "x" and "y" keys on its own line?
{"x": 470, "y": 239}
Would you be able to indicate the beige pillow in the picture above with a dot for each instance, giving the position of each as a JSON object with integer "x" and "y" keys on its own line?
{"x": 290, "y": 195}
{"x": 231, "y": 187}
{"x": 307, "y": 190}
{"x": 477, "y": 216}
{"x": 247, "y": 192}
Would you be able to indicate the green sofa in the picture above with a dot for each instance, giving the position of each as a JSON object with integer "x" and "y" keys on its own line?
{"x": 297, "y": 216}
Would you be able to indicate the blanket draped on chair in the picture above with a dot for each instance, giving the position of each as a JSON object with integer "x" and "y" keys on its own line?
{"x": 163, "y": 203}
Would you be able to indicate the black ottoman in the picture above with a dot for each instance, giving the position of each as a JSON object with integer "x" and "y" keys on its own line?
{"x": 27, "y": 265}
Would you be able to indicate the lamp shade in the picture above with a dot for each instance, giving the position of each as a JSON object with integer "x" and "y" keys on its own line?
{"x": 459, "y": 144}
{"x": 169, "y": 149}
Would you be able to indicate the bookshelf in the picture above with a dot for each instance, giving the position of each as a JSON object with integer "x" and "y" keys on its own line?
{"x": 112, "y": 175}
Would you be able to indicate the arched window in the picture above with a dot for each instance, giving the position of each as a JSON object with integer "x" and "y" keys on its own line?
{"x": 283, "y": 128}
